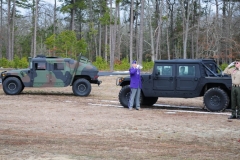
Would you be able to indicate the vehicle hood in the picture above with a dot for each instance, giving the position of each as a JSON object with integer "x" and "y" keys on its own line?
{"x": 16, "y": 72}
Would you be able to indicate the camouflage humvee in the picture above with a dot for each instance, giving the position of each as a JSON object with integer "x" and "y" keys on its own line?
{"x": 52, "y": 72}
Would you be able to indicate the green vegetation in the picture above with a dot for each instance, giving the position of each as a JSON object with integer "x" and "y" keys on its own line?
{"x": 16, "y": 63}
{"x": 100, "y": 63}
{"x": 66, "y": 44}
{"x": 223, "y": 66}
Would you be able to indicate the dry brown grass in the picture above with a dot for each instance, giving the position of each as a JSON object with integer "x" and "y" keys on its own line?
{"x": 52, "y": 123}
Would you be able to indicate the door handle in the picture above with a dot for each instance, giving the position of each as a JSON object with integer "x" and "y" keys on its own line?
{"x": 171, "y": 78}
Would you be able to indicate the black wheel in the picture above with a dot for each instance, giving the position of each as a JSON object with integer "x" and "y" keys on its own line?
{"x": 124, "y": 96}
{"x": 215, "y": 100}
{"x": 81, "y": 87}
{"x": 149, "y": 101}
{"x": 12, "y": 86}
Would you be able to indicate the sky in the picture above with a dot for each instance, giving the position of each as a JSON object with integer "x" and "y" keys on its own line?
{"x": 52, "y": 2}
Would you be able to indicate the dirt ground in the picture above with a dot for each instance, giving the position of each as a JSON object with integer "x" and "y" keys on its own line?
{"x": 53, "y": 124}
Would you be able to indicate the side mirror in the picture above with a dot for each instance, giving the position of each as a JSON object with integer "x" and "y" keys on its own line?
{"x": 157, "y": 73}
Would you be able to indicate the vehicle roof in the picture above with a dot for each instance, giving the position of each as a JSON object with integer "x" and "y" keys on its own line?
{"x": 51, "y": 58}
{"x": 184, "y": 61}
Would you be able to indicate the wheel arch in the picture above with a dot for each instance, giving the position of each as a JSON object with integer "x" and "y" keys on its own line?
{"x": 125, "y": 83}
{"x": 15, "y": 77}
{"x": 214, "y": 85}
{"x": 81, "y": 77}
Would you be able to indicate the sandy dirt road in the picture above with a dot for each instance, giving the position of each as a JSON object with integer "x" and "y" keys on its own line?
{"x": 53, "y": 124}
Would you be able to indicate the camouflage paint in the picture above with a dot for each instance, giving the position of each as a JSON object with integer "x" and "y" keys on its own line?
{"x": 31, "y": 77}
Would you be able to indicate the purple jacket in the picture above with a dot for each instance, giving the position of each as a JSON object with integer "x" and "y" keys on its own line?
{"x": 135, "y": 76}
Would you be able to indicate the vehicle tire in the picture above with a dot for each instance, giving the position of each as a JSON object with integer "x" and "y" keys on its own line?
{"x": 81, "y": 87}
{"x": 149, "y": 101}
{"x": 215, "y": 100}
{"x": 124, "y": 96}
{"x": 12, "y": 86}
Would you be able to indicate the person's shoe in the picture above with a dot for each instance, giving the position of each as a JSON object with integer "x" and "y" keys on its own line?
{"x": 139, "y": 109}
{"x": 232, "y": 117}
{"x": 130, "y": 109}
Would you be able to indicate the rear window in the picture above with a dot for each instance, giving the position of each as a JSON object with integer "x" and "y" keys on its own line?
{"x": 58, "y": 66}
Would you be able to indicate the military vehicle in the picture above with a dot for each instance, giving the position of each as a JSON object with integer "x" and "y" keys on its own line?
{"x": 200, "y": 77}
{"x": 52, "y": 72}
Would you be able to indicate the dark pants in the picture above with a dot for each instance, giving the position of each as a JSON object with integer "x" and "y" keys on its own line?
{"x": 235, "y": 100}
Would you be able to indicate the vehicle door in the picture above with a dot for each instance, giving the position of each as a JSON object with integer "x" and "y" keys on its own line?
{"x": 60, "y": 74}
{"x": 163, "y": 79}
{"x": 41, "y": 74}
{"x": 187, "y": 80}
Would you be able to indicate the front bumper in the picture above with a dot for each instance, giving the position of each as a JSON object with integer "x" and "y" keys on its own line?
{"x": 96, "y": 82}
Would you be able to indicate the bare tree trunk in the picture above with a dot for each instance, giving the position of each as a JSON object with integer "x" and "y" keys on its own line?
{"x": 106, "y": 40}
{"x": 72, "y": 23}
{"x": 110, "y": 38}
{"x": 168, "y": 48}
{"x": 100, "y": 40}
{"x": 1, "y": 33}
{"x": 54, "y": 24}
{"x": 192, "y": 45}
{"x": 136, "y": 40}
{"x": 223, "y": 43}
{"x": 217, "y": 29}
{"x": 141, "y": 30}
{"x": 229, "y": 32}
{"x": 118, "y": 44}
{"x": 13, "y": 30}
{"x": 158, "y": 40}
{"x": 198, "y": 28}
{"x": 186, "y": 8}
{"x": 170, "y": 4}
{"x": 32, "y": 41}
{"x": 131, "y": 32}
{"x": 113, "y": 37}
{"x": 9, "y": 31}
{"x": 54, "y": 17}
{"x": 152, "y": 41}
{"x": 35, "y": 29}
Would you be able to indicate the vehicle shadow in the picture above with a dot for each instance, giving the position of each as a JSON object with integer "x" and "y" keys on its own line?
{"x": 55, "y": 93}
{"x": 173, "y": 107}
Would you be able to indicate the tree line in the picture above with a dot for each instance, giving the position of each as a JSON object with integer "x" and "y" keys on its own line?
{"x": 145, "y": 30}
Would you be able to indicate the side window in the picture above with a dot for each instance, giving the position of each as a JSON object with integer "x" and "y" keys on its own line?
{"x": 212, "y": 67}
{"x": 58, "y": 66}
{"x": 40, "y": 66}
{"x": 167, "y": 70}
{"x": 164, "y": 70}
{"x": 189, "y": 70}
{"x": 159, "y": 70}
{"x": 182, "y": 70}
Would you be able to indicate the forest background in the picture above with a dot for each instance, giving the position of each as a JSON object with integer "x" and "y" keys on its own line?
{"x": 112, "y": 33}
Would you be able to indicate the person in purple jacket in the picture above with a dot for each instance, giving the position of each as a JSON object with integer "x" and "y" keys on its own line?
{"x": 135, "y": 85}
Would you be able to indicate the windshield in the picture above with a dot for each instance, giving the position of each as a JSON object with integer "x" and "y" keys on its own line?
{"x": 30, "y": 62}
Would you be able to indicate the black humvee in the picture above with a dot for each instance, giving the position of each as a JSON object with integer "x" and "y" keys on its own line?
{"x": 182, "y": 78}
